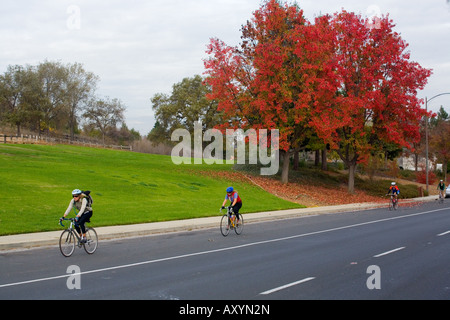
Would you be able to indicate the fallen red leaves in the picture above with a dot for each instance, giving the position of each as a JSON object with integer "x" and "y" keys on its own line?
{"x": 313, "y": 195}
{"x": 309, "y": 196}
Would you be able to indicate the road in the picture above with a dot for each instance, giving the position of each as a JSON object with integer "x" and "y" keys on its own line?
{"x": 373, "y": 254}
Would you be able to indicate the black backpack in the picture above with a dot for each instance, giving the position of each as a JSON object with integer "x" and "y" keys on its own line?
{"x": 89, "y": 199}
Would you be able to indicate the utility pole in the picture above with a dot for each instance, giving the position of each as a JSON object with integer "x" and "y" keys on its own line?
{"x": 426, "y": 143}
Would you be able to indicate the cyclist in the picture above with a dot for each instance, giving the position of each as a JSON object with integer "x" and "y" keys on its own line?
{"x": 236, "y": 202}
{"x": 394, "y": 191}
{"x": 441, "y": 188}
{"x": 80, "y": 202}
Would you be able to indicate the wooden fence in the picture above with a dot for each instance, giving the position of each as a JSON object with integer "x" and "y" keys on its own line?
{"x": 35, "y": 139}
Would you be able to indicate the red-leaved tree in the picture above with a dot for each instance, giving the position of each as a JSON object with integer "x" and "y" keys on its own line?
{"x": 273, "y": 79}
{"x": 376, "y": 97}
{"x": 343, "y": 78}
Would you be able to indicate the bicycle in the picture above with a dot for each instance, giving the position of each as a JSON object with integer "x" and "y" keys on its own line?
{"x": 67, "y": 239}
{"x": 229, "y": 222}
{"x": 441, "y": 197}
{"x": 393, "y": 203}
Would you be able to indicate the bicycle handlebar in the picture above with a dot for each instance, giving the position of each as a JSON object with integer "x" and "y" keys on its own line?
{"x": 228, "y": 209}
{"x": 65, "y": 219}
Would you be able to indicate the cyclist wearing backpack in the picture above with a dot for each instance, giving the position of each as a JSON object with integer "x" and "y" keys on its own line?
{"x": 83, "y": 203}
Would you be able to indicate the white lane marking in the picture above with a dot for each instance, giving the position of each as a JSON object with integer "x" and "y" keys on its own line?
{"x": 225, "y": 249}
{"x": 36, "y": 280}
{"x": 287, "y": 286}
{"x": 388, "y": 252}
{"x": 443, "y": 233}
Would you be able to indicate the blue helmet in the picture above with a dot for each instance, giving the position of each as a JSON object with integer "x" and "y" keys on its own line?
{"x": 230, "y": 189}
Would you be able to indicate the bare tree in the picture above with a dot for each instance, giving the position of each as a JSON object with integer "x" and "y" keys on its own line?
{"x": 53, "y": 79}
{"x": 12, "y": 96}
{"x": 80, "y": 87}
{"x": 104, "y": 114}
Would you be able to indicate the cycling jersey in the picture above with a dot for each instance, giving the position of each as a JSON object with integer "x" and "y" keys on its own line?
{"x": 394, "y": 190}
{"x": 234, "y": 195}
{"x": 441, "y": 186}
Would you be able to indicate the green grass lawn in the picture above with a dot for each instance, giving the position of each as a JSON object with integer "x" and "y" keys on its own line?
{"x": 127, "y": 187}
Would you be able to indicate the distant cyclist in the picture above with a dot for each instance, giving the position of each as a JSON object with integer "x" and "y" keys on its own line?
{"x": 80, "y": 202}
{"x": 394, "y": 191}
{"x": 236, "y": 202}
{"x": 441, "y": 188}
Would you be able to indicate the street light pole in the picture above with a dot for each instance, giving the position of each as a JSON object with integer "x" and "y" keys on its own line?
{"x": 426, "y": 143}
{"x": 426, "y": 134}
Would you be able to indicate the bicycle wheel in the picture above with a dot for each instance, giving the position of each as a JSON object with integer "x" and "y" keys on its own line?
{"x": 91, "y": 241}
{"x": 67, "y": 243}
{"x": 391, "y": 206}
{"x": 395, "y": 205}
{"x": 224, "y": 225}
{"x": 239, "y": 226}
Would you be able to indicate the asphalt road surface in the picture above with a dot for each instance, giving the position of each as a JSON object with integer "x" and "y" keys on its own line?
{"x": 375, "y": 254}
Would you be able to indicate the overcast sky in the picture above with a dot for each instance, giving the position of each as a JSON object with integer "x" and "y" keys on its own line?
{"x": 139, "y": 48}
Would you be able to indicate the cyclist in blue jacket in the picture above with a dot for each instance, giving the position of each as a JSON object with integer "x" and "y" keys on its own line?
{"x": 236, "y": 202}
{"x": 394, "y": 191}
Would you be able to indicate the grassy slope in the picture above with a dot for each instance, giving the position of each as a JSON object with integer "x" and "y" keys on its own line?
{"x": 36, "y": 185}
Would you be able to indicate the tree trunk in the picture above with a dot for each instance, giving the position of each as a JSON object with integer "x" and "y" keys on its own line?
{"x": 285, "y": 169}
{"x": 351, "y": 177}
{"x": 444, "y": 169}
{"x": 296, "y": 159}
{"x": 351, "y": 162}
{"x": 416, "y": 162}
{"x": 324, "y": 159}
{"x": 317, "y": 158}
{"x": 72, "y": 122}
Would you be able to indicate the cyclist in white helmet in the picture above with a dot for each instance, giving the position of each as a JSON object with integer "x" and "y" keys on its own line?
{"x": 80, "y": 202}
{"x": 441, "y": 188}
{"x": 394, "y": 190}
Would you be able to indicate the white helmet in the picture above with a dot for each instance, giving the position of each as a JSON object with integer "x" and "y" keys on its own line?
{"x": 393, "y": 183}
{"x": 76, "y": 192}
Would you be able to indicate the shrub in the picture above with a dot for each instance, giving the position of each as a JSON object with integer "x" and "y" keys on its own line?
{"x": 409, "y": 191}
{"x": 422, "y": 177}
{"x": 380, "y": 188}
